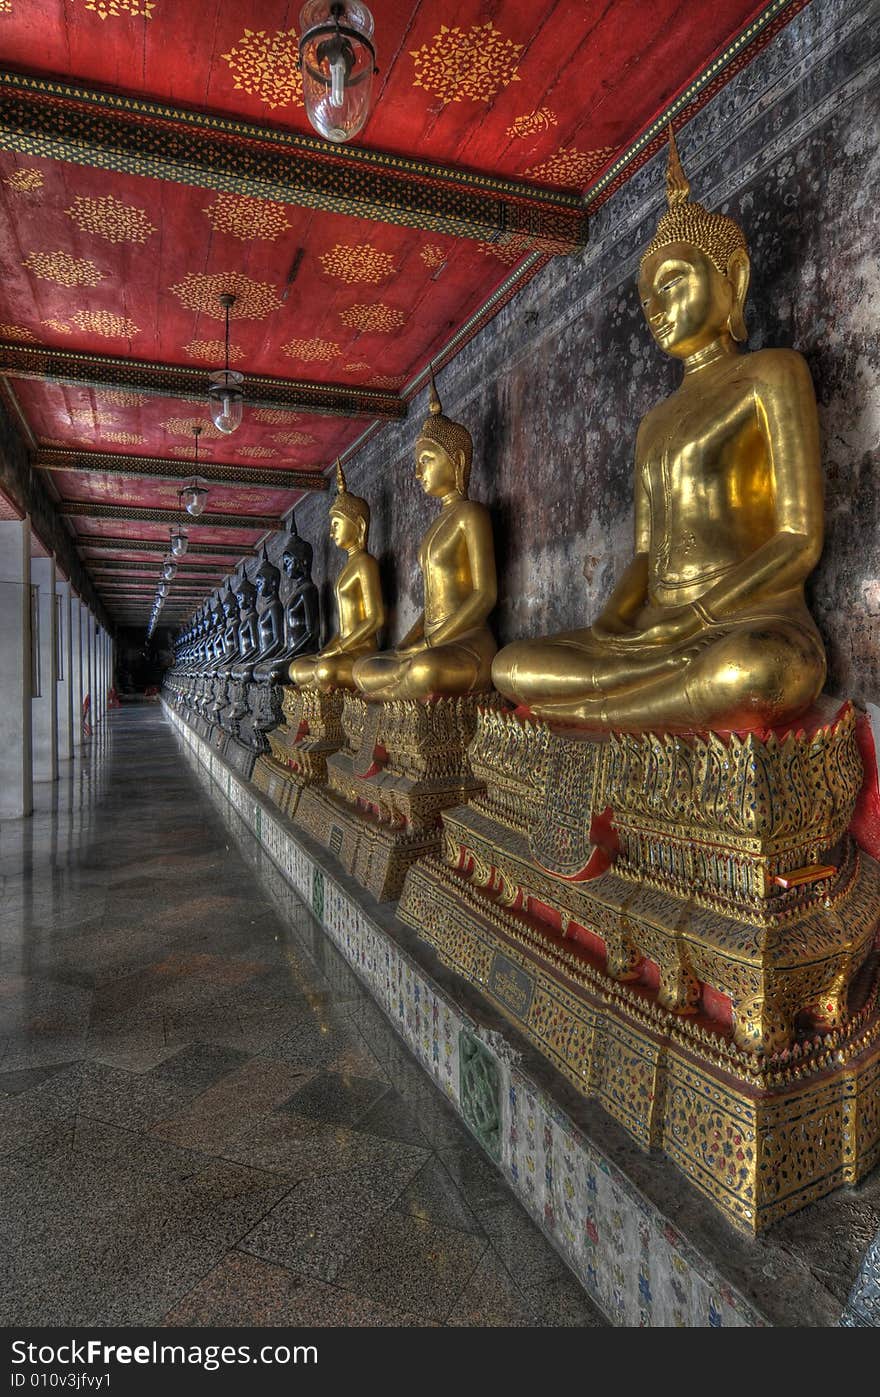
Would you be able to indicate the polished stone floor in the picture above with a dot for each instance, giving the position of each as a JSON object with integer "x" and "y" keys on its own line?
{"x": 203, "y": 1117}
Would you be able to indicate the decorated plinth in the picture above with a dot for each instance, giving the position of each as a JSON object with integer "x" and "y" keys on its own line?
{"x": 402, "y": 764}
{"x": 311, "y": 731}
{"x": 685, "y": 927}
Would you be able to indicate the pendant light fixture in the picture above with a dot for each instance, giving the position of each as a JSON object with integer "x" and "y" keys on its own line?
{"x": 193, "y": 497}
{"x": 225, "y": 393}
{"x": 337, "y": 61}
{"x": 178, "y": 541}
{"x": 169, "y": 568}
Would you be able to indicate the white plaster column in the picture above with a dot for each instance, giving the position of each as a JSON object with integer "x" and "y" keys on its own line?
{"x": 76, "y": 674}
{"x": 64, "y": 683}
{"x": 16, "y": 782}
{"x": 44, "y": 737}
{"x": 86, "y": 663}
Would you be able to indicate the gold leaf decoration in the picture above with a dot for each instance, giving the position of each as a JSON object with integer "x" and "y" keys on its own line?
{"x": 352, "y": 262}
{"x": 25, "y": 181}
{"x": 570, "y": 166}
{"x": 5, "y": 7}
{"x": 123, "y": 397}
{"x": 88, "y": 417}
{"x": 253, "y": 299}
{"x": 276, "y": 416}
{"x": 183, "y": 427}
{"x": 63, "y": 269}
{"x": 137, "y": 9}
{"x": 124, "y": 438}
{"x": 513, "y": 250}
{"x": 293, "y": 438}
{"x": 357, "y": 368}
{"x": 17, "y": 332}
{"x": 472, "y": 64}
{"x": 432, "y": 256}
{"x": 311, "y": 349}
{"x": 376, "y": 318}
{"x": 104, "y": 322}
{"x": 389, "y": 381}
{"x": 267, "y": 66}
{"x": 256, "y": 453}
{"x": 111, "y": 219}
{"x": 530, "y": 123}
{"x": 186, "y": 451}
{"x": 247, "y": 219}
{"x": 212, "y": 351}
{"x": 59, "y": 326}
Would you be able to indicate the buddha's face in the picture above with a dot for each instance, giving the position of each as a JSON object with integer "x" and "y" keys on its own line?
{"x": 435, "y": 468}
{"x": 343, "y": 531}
{"x": 686, "y": 300}
{"x": 294, "y": 566}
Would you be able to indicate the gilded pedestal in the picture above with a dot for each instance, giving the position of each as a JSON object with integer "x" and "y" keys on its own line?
{"x": 403, "y": 763}
{"x": 684, "y": 926}
{"x": 310, "y": 732}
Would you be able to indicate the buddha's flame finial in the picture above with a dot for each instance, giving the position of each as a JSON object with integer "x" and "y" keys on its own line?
{"x": 678, "y": 187}
{"x": 436, "y": 406}
{"x": 293, "y": 529}
{"x": 341, "y": 486}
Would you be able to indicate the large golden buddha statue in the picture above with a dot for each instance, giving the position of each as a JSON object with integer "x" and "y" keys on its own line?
{"x": 449, "y": 650}
{"x": 359, "y": 608}
{"x": 707, "y": 627}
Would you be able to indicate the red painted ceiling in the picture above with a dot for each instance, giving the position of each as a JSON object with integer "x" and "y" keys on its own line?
{"x": 548, "y": 92}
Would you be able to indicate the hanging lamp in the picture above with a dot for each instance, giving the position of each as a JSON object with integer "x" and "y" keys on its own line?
{"x": 337, "y": 61}
{"x": 225, "y": 394}
{"x": 193, "y": 497}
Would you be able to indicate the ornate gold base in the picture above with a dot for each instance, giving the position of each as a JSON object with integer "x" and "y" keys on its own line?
{"x": 300, "y": 746}
{"x": 403, "y": 764}
{"x": 684, "y": 928}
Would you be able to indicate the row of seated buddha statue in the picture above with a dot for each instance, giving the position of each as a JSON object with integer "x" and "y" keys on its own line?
{"x": 634, "y": 838}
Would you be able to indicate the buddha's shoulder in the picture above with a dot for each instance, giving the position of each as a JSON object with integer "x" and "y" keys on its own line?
{"x": 469, "y": 512}
{"x": 773, "y": 367}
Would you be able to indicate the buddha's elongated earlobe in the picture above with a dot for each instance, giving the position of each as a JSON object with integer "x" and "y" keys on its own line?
{"x": 738, "y": 274}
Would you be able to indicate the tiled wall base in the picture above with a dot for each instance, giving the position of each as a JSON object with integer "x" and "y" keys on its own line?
{"x": 643, "y": 1264}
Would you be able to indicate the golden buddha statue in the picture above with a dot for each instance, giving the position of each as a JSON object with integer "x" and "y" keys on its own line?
{"x": 359, "y": 607}
{"x": 449, "y": 650}
{"x": 707, "y": 627}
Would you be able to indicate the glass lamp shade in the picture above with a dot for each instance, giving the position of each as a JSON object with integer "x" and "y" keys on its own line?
{"x": 195, "y": 497}
{"x": 337, "y": 60}
{"x": 179, "y": 543}
{"x": 226, "y": 399}
{"x": 168, "y": 570}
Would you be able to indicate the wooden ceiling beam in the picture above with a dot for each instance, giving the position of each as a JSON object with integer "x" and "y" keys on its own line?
{"x": 86, "y": 126}
{"x": 105, "y": 372}
{"x": 156, "y": 545}
{"x": 161, "y": 468}
{"x": 142, "y": 515}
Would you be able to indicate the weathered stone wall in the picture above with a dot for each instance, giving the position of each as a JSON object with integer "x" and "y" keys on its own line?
{"x": 554, "y": 387}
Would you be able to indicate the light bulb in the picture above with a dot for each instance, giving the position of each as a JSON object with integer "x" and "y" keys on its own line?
{"x": 226, "y": 399}
{"x": 179, "y": 544}
{"x": 337, "y": 80}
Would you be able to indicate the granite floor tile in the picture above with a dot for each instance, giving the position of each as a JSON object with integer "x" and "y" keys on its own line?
{"x": 336, "y": 1098}
{"x": 491, "y": 1299}
{"x": 411, "y": 1264}
{"x": 393, "y": 1119}
{"x": 325, "y": 1217}
{"x": 232, "y": 1105}
{"x": 433, "y": 1197}
{"x": 301, "y": 1145}
{"x": 243, "y": 1291}
{"x": 539, "y": 1272}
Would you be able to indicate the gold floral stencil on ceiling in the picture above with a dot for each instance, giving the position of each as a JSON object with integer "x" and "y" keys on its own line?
{"x": 17, "y": 332}
{"x": 111, "y": 219}
{"x": 89, "y": 417}
{"x": 256, "y": 453}
{"x": 351, "y": 262}
{"x": 24, "y": 181}
{"x": 59, "y": 326}
{"x": 122, "y": 397}
{"x": 530, "y": 123}
{"x": 104, "y": 322}
{"x": 267, "y": 66}
{"x": 389, "y": 381}
{"x": 183, "y": 427}
{"x": 212, "y": 351}
{"x": 432, "y": 256}
{"x": 136, "y": 9}
{"x": 311, "y": 349}
{"x": 359, "y": 367}
{"x": 508, "y": 252}
{"x": 124, "y": 438}
{"x": 276, "y": 416}
{"x": 63, "y": 269}
{"x": 253, "y": 299}
{"x": 570, "y": 166}
{"x": 472, "y": 64}
{"x": 376, "y": 318}
{"x": 293, "y": 438}
{"x": 247, "y": 219}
